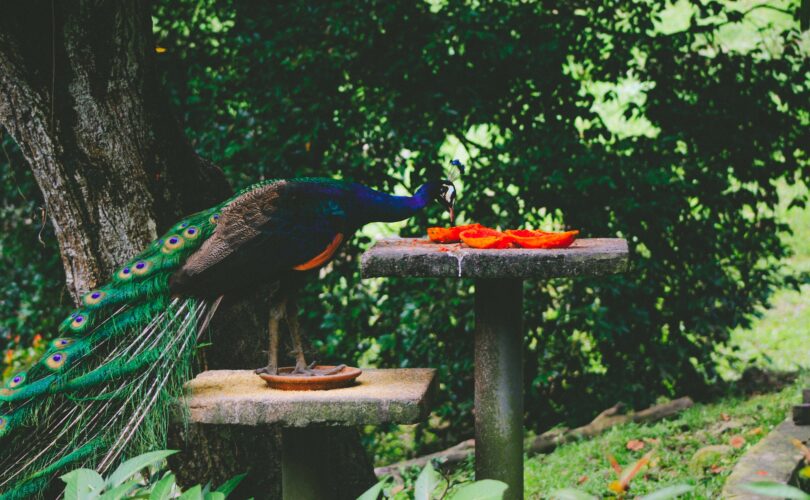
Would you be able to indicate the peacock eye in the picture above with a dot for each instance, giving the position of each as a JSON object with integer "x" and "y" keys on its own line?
{"x": 79, "y": 322}
{"x": 93, "y": 298}
{"x": 125, "y": 273}
{"x": 172, "y": 244}
{"x": 61, "y": 343}
{"x": 141, "y": 267}
{"x": 16, "y": 381}
{"x": 56, "y": 361}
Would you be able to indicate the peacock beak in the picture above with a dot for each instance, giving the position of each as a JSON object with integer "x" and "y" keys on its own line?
{"x": 452, "y": 215}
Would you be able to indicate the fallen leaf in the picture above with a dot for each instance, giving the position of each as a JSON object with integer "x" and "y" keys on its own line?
{"x": 801, "y": 446}
{"x": 396, "y": 489}
{"x": 614, "y": 464}
{"x": 635, "y": 445}
{"x": 652, "y": 440}
{"x": 725, "y": 417}
{"x": 160, "y": 49}
{"x": 630, "y": 473}
{"x": 762, "y": 472}
{"x": 715, "y": 469}
{"x": 582, "y": 479}
{"x": 755, "y": 431}
{"x": 737, "y": 441}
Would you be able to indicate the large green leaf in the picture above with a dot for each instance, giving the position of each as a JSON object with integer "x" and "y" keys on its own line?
{"x": 426, "y": 482}
{"x": 163, "y": 489}
{"x": 231, "y": 484}
{"x": 669, "y": 492}
{"x": 570, "y": 494}
{"x": 779, "y": 490}
{"x": 135, "y": 464}
{"x": 120, "y": 491}
{"x": 83, "y": 484}
{"x": 486, "y": 489}
{"x": 194, "y": 493}
{"x": 373, "y": 493}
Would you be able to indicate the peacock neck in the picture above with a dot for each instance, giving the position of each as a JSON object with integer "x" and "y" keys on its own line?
{"x": 376, "y": 206}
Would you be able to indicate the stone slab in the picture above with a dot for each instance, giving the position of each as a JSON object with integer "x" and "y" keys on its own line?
{"x": 418, "y": 257}
{"x": 400, "y": 396}
{"x": 774, "y": 458}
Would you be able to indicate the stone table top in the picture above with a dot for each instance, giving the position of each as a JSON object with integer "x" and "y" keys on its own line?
{"x": 399, "y": 396}
{"x": 418, "y": 257}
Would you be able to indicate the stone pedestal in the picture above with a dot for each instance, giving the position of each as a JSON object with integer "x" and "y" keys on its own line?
{"x": 310, "y": 419}
{"x": 499, "y": 276}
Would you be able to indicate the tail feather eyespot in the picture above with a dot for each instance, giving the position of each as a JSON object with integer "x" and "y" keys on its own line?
{"x": 214, "y": 219}
{"x": 94, "y": 297}
{"x": 56, "y": 361}
{"x": 173, "y": 243}
{"x": 61, "y": 343}
{"x": 79, "y": 322}
{"x": 141, "y": 267}
{"x": 125, "y": 273}
{"x": 191, "y": 233}
{"x": 17, "y": 380}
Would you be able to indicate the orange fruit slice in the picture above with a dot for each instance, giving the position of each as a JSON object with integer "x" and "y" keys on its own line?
{"x": 484, "y": 237}
{"x": 448, "y": 234}
{"x": 528, "y": 238}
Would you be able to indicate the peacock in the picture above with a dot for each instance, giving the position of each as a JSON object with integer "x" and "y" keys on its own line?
{"x": 104, "y": 388}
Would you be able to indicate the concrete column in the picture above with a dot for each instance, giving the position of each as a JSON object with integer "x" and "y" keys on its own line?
{"x": 499, "y": 382}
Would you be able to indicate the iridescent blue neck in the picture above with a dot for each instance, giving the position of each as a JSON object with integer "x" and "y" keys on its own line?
{"x": 376, "y": 206}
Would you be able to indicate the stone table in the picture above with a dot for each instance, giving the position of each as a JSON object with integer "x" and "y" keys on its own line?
{"x": 499, "y": 276}
{"x": 239, "y": 397}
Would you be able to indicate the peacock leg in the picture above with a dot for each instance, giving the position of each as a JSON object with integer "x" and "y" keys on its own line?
{"x": 276, "y": 313}
{"x": 301, "y": 367}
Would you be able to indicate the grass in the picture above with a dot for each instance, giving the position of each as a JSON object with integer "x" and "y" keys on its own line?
{"x": 584, "y": 465}
{"x": 777, "y": 340}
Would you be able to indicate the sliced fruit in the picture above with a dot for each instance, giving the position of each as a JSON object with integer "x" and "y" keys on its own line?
{"x": 528, "y": 238}
{"x": 484, "y": 237}
{"x": 449, "y": 234}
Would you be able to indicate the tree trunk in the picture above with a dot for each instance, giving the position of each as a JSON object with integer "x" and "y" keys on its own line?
{"x": 79, "y": 95}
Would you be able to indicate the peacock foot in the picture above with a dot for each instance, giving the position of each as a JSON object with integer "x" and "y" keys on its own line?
{"x": 311, "y": 371}
{"x": 267, "y": 370}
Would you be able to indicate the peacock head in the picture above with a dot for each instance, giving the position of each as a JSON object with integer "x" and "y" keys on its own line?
{"x": 447, "y": 190}
{"x": 447, "y": 197}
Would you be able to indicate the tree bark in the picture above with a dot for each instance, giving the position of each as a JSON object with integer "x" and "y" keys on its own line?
{"x": 80, "y": 96}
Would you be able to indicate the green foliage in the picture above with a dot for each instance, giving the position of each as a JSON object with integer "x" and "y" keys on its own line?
{"x": 666, "y": 493}
{"x": 666, "y": 124}
{"x": 777, "y": 490}
{"x": 535, "y": 97}
{"x": 33, "y": 280}
{"x": 584, "y": 465}
{"x": 430, "y": 485}
{"x": 128, "y": 481}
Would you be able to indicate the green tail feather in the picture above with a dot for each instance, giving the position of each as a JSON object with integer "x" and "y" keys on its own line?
{"x": 105, "y": 386}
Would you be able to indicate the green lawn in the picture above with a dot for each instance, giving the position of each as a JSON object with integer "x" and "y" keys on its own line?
{"x": 584, "y": 465}
{"x": 777, "y": 340}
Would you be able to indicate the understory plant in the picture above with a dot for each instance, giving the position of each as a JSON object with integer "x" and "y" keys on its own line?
{"x": 139, "y": 477}
{"x": 432, "y": 485}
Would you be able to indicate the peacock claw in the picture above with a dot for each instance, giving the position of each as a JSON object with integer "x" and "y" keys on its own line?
{"x": 311, "y": 371}
{"x": 267, "y": 370}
